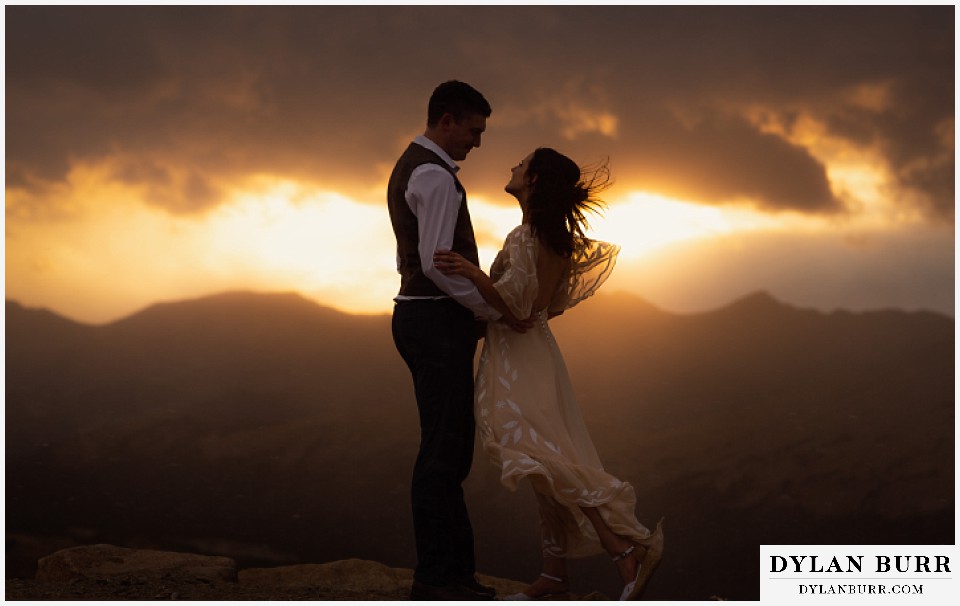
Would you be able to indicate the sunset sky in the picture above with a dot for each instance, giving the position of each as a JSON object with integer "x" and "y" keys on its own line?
{"x": 161, "y": 153}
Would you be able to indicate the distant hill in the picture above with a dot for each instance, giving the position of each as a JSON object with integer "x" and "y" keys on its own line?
{"x": 275, "y": 431}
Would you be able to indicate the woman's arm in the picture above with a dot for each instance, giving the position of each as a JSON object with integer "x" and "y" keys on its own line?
{"x": 451, "y": 263}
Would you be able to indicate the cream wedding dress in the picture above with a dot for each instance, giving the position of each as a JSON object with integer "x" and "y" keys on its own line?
{"x": 527, "y": 416}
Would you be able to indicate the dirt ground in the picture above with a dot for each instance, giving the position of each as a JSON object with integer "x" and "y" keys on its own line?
{"x": 141, "y": 589}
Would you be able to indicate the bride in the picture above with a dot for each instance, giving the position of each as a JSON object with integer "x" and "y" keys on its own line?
{"x": 527, "y": 416}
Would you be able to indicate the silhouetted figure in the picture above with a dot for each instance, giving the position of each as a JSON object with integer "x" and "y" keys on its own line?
{"x": 529, "y": 421}
{"x": 435, "y": 331}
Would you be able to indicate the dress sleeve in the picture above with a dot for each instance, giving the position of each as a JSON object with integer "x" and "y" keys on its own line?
{"x": 590, "y": 266}
{"x": 518, "y": 283}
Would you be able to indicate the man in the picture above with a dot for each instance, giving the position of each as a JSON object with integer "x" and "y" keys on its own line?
{"x": 435, "y": 329}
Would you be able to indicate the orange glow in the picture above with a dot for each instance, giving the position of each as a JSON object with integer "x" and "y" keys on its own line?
{"x": 283, "y": 237}
{"x": 642, "y": 223}
{"x": 94, "y": 249}
{"x": 858, "y": 175}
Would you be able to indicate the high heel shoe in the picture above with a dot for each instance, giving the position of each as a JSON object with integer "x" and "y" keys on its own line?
{"x": 645, "y": 565}
{"x": 541, "y": 596}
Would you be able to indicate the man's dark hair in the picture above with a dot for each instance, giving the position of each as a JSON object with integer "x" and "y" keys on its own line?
{"x": 456, "y": 98}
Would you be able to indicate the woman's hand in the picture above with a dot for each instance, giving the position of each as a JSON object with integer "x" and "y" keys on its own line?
{"x": 452, "y": 264}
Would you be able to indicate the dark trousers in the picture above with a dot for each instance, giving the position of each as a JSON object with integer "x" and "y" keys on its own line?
{"x": 437, "y": 340}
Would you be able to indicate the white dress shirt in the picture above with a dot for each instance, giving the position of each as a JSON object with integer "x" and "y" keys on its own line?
{"x": 434, "y": 199}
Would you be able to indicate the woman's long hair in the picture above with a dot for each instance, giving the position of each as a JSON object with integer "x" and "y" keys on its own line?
{"x": 561, "y": 195}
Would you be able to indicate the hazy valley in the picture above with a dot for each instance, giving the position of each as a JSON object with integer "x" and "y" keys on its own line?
{"x": 271, "y": 430}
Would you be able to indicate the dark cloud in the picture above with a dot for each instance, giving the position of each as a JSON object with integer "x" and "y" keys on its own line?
{"x": 176, "y": 188}
{"x": 723, "y": 158}
{"x": 102, "y": 49}
{"x": 189, "y": 97}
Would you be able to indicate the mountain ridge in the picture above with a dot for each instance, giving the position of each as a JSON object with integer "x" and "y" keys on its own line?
{"x": 277, "y": 431}
{"x": 756, "y": 301}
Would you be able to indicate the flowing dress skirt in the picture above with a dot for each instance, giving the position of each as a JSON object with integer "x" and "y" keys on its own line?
{"x": 531, "y": 427}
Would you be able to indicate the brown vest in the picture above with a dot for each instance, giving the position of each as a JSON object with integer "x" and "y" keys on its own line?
{"x": 412, "y": 280}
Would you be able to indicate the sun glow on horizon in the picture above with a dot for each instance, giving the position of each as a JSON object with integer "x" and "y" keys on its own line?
{"x": 642, "y": 223}
{"x": 114, "y": 253}
{"x": 322, "y": 244}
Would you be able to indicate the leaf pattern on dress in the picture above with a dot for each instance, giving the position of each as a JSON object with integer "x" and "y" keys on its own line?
{"x": 522, "y": 424}
{"x": 526, "y": 460}
{"x": 514, "y": 271}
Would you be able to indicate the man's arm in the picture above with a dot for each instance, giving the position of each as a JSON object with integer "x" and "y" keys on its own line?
{"x": 452, "y": 264}
{"x": 433, "y": 198}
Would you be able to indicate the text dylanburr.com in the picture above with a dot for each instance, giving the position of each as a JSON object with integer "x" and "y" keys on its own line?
{"x": 869, "y": 574}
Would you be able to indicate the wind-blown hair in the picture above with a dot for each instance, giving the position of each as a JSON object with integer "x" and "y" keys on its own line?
{"x": 562, "y": 193}
{"x": 456, "y": 98}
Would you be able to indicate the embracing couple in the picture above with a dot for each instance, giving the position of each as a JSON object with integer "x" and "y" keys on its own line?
{"x": 521, "y": 401}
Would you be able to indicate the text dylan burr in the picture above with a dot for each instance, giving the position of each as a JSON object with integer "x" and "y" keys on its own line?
{"x": 853, "y": 564}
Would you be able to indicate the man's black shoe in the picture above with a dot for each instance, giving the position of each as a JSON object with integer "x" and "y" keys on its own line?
{"x": 452, "y": 592}
{"x": 471, "y": 583}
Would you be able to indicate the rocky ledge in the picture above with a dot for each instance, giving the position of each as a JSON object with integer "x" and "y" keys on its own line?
{"x": 108, "y": 572}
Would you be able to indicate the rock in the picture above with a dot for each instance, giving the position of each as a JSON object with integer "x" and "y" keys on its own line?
{"x": 111, "y": 562}
{"x": 108, "y": 572}
{"x": 344, "y": 575}
{"x": 355, "y": 577}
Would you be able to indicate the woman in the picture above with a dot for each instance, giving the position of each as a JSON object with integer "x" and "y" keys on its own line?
{"x": 526, "y": 413}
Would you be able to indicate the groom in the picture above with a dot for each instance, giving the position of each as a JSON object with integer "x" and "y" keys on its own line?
{"x": 435, "y": 331}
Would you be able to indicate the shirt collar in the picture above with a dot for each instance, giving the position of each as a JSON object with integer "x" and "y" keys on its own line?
{"x": 423, "y": 141}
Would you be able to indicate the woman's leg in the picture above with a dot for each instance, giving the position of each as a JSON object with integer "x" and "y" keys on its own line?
{"x": 614, "y": 544}
{"x": 553, "y": 580}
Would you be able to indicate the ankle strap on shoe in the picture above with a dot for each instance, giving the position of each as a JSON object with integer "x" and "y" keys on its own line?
{"x": 625, "y": 553}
